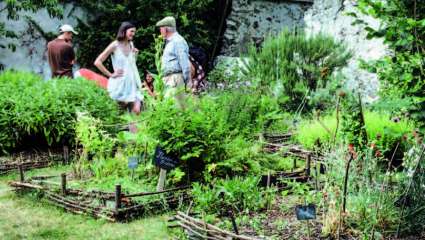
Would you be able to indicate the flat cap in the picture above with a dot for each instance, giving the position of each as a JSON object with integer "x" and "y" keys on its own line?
{"x": 167, "y": 22}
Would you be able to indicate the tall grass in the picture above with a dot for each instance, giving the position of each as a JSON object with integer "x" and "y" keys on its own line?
{"x": 380, "y": 129}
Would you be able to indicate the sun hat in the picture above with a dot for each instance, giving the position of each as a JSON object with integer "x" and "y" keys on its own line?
{"x": 67, "y": 28}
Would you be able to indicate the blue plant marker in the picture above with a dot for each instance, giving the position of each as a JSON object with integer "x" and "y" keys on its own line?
{"x": 305, "y": 212}
{"x": 133, "y": 162}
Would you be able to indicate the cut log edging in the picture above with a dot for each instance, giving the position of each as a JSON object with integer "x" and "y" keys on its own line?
{"x": 35, "y": 161}
{"x": 93, "y": 203}
{"x": 208, "y": 231}
{"x": 312, "y": 160}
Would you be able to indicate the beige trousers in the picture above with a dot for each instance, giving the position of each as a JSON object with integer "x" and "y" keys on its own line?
{"x": 174, "y": 87}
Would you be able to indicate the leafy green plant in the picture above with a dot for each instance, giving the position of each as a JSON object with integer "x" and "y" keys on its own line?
{"x": 403, "y": 30}
{"x": 292, "y": 66}
{"x": 92, "y": 137}
{"x": 46, "y": 111}
{"x": 238, "y": 194}
{"x": 225, "y": 75}
{"x": 353, "y": 126}
{"x": 215, "y": 133}
{"x": 382, "y": 132}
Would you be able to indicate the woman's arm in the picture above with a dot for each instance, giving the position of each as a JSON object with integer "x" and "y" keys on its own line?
{"x": 150, "y": 92}
{"x": 102, "y": 57}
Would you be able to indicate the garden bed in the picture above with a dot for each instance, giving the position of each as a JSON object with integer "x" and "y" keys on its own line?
{"x": 277, "y": 222}
{"x": 311, "y": 161}
{"x": 33, "y": 160}
{"x": 113, "y": 206}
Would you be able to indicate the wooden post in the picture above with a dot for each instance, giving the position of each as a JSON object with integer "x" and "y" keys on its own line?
{"x": 308, "y": 164}
{"x": 294, "y": 166}
{"x": 21, "y": 172}
{"x": 63, "y": 183}
{"x": 232, "y": 218}
{"x": 65, "y": 155}
{"x": 161, "y": 180}
{"x": 268, "y": 179}
{"x": 316, "y": 175}
{"x": 347, "y": 168}
{"x": 117, "y": 197}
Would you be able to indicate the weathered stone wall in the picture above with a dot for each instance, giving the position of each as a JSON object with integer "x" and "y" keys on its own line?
{"x": 30, "y": 54}
{"x": 251, "y": 21}
{"x": 329, "y": 16}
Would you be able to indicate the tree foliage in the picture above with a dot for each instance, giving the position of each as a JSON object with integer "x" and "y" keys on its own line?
{"x": 12, "y": 8}
{"x": 402, "y": 74}
{"x": 197, "y": 21}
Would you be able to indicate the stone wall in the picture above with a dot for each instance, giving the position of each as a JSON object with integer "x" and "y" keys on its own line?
{"x": 329, "y": 16}
{"x": 30, "y": 54}
{"x": 250, "y": 21}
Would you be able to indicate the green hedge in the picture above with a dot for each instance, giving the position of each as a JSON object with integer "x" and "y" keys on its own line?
{"x": 34, "y": 109}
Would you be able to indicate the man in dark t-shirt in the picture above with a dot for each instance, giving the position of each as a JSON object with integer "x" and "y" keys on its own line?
{"x": 60, "y": 53}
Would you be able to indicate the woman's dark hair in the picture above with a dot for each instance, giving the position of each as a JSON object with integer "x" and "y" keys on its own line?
{"x": 122, "y": 31}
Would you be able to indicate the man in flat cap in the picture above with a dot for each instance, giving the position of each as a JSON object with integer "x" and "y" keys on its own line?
{"x": 175, "y": 60}
{"x": 60, "y": 53}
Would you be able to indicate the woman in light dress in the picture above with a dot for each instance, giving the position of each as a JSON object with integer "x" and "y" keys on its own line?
{"x": 124, "y": 83}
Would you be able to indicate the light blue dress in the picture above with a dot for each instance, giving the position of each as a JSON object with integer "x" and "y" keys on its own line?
{"x": 128, "y": 87}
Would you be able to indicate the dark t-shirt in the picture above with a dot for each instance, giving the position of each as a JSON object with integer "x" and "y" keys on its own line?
{"x": 60, "y": 54}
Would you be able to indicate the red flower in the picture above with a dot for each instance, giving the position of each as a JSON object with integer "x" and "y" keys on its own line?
{"x": 351, "y": 150}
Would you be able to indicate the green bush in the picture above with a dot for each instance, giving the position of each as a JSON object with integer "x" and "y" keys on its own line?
{"x": 292, "y": 66}
{"x": 403, "y": 30}
{"x": 215, "y": 131}
{"x": 226, "y": 74}
{"x": 381, "y": 131}
{"x": 238, "y": 194}
{"x": 45, "y": 111}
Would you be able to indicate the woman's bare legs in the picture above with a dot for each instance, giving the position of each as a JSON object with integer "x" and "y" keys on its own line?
{"x": 136, "y": 110}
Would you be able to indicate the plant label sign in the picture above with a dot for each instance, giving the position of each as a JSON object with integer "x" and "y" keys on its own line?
{"x": 133, "y": 162}
{"x": 305, "y": 212}
{"x": 162, "y": 160}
